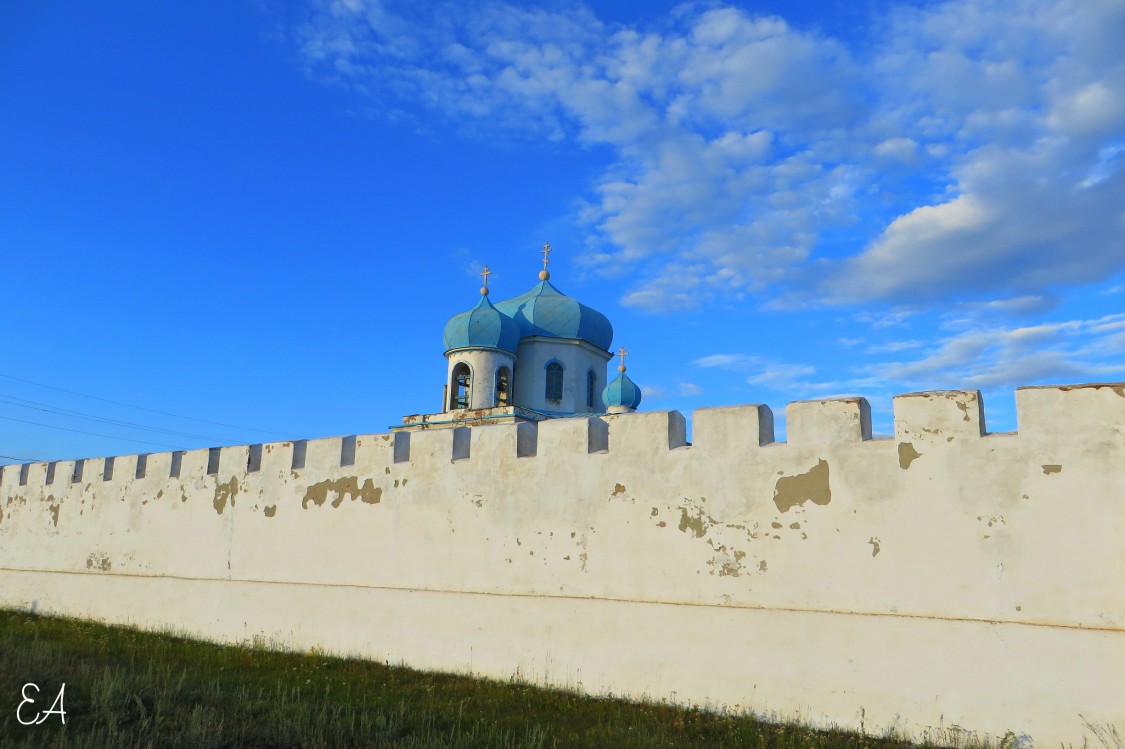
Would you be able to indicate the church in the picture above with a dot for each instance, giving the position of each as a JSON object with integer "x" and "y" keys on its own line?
{"x": 540, "y": 355}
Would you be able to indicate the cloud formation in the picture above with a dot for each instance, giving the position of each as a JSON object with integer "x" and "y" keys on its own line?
{"x": 977, "y": 356}
{"x": 967, "y": 149}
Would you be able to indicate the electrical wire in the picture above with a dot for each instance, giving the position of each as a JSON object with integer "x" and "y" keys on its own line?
{"x": 142, "y": 408}
{"x": 47, "y": 408}
{"x": 93, "y": 434}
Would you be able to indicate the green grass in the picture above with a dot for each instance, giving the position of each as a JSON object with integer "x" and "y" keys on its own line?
{"x": 126, "y": 688}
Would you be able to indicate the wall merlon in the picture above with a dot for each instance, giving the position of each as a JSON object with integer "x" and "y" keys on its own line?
{"x": 500, "y": 441}
{"x": 232, "y": 462}
{"x": 1096, "y": 411}
{"x": 323, "y": 454}
{"x": 277, "y": 457}
{"x": 828, "y": 421}
{"x": 193, "y": 463}
{"x": 158, "y": 467}
{"x": 373, "y": 452}
{"x": 431, "y": 448}
{"x": 572, "y": 436}
{"x": 64, "y": 469}
{"x": 938, "y": 416}
{"x": 731, "y": 428}
{"x": 33, "y": 474}
{"x": 646, "y": 434}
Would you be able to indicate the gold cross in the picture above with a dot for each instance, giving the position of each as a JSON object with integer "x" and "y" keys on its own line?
{"x": 485, "y": 274}
{"x": 546, "y": 251}
{"x": 622, "y": 353}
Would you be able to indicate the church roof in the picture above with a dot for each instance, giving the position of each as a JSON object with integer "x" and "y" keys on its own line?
{"x": 622, "y": 392}
{"x": 482, "y": 327}
{"x": 546, "y": 311}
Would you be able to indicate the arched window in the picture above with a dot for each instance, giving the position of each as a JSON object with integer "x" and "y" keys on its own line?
{"x": 459, "y": 390}
{"x": 591, "y": 388}
{"x": 554, "y": 388}
{"x": 503, "y": 387}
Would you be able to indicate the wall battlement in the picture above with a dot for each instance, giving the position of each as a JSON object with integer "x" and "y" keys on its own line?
{"x": 1051, "y": 412}
{"x": 938, "y": 575}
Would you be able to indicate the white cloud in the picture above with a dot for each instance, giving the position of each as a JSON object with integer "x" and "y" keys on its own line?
{"x": 985, "y": 356}
{"x": 972, "y": 151}
{"x": 736, "y": 362}
{"x": 689, "y": 390}
{"x": 898, "y": 149}
{"x": 894, "y": 346}
{"x": 1025, "y": 100}
{"x": 781, "y": 376}
{"x": 1005, "y": 357}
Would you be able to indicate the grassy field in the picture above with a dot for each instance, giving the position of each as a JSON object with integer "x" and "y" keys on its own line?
{"x": 126, "y": 688}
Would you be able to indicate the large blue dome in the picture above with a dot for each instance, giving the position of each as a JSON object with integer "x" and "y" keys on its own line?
{"x": 622, "y": 392}
{"x": 482, "y": 327}
{"x": 546, "y": 311}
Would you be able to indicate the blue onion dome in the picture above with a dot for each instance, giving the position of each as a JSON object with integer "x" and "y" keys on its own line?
{"x": 546, "y": 311}
{"x": 622, "y": 392}
{"x": 482, "y": 327}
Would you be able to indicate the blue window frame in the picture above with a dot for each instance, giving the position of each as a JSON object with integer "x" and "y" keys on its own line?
{"x": 554, "y": 384}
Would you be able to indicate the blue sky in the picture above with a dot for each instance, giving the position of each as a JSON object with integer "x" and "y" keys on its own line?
{"x": 232, "y": 221}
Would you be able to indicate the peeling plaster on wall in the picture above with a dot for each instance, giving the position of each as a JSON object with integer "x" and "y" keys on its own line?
{"x": 54, "y": 510}
{"x": 1052, "y": 468}
{"x": 907, "y": 454}
{"x": 729, "y": 564}
{"x": 270, "y": 511}
{"x": 618, "y": 489}
{"x": 812, "y": 485}
{"x": 697, "y": 525}
{"x": 347, "y": 486}
{"x": 224, "y": 492}
{"x": 99, "y": 561}
{"x": 874, "y": 546}
{"x": 964, "y": 410}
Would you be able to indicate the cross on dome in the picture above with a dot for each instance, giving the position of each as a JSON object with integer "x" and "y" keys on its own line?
{"x": 485, "y": 274}
{"x": 622, "y": 353}
{"x": 545, "y": 274}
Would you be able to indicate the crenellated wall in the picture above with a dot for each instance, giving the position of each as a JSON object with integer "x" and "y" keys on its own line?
{"x": 943, "y": 577}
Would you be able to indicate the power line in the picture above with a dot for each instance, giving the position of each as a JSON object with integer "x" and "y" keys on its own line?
{"x": 142, "y": 408}
{"x": 19, "y": 460}
{"x": 94, "y": 434}
{"x": 48, "y": 408}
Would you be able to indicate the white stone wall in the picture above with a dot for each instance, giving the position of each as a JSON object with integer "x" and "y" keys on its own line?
{"x": 939, "y": 578}
{"x": 577, "y": 358}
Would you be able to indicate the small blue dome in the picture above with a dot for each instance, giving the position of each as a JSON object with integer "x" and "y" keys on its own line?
{"x": 622, "y": 392}
{"x": 546, "y": 311}
{"x": 482, "y": 327}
